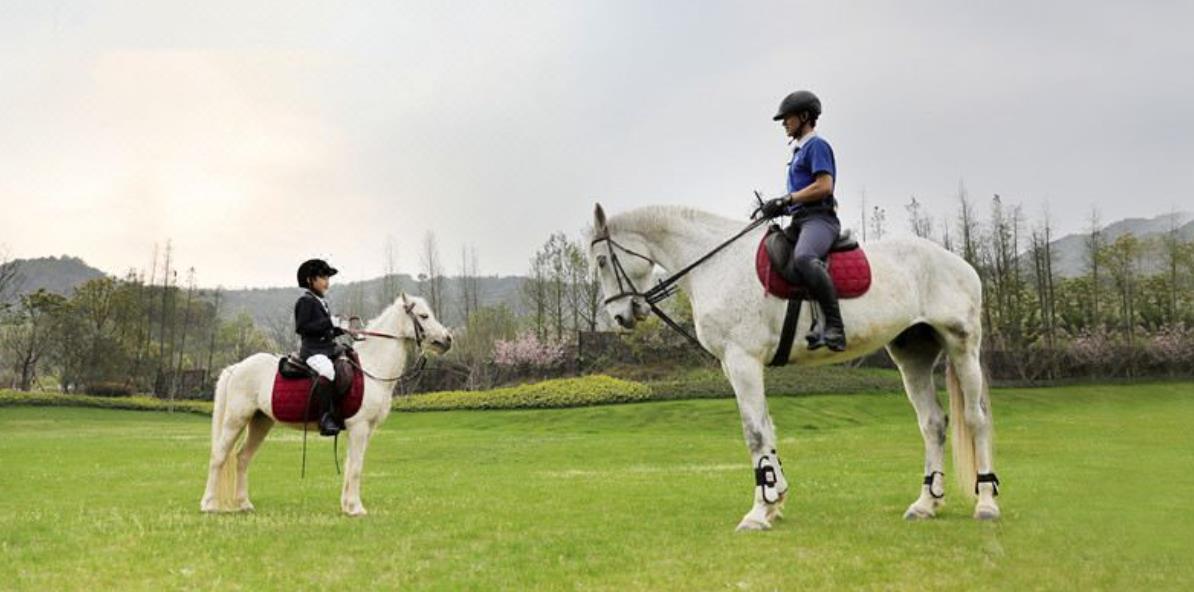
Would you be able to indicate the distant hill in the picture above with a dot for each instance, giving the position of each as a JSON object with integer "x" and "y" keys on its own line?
{"x": 54, "y": 274}
{"x": 272, "y": 305}
{"x": 1069, "y": 252}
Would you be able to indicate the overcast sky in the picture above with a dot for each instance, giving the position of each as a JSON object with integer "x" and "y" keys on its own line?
{"x": 255, "y": 137}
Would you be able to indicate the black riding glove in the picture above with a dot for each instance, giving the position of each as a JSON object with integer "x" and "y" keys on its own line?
{"x": 773, "y": 208}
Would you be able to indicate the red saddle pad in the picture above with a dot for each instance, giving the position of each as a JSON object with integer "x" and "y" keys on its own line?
{"x": 290, "y": 397}
{"x": 850, "y": 271}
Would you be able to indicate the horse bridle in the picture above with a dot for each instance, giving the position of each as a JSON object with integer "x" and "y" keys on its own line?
{"x": 420, "y": 334}
{"x": 667, "y": 286}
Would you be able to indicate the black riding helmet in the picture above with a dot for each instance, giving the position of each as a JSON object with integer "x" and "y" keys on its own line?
{"x": 801, "y": 100}
{"x": 314, "y": 268}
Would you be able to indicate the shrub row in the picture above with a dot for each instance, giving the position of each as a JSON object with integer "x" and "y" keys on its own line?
{"x": 564, "y": 392}
{"x": 597, "y": 389}
{"x": 10, "y": 398}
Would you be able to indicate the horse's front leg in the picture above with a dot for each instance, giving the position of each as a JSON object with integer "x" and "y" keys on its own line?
{"x": 350, "y": 495}
{"x": 746, "y": 376}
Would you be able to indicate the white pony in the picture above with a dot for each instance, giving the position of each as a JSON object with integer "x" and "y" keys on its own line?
{"x": 923, "y": 300}
{"x": 244, "y": 397}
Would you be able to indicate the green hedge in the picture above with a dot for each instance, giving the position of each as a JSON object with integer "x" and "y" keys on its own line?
{"x": 596, "y": 389}
{"x": 10, "y": 398}
{"x": 708, "y": 383}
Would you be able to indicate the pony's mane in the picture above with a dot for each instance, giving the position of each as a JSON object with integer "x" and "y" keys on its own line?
{"x": 654, "y": 220}
{"x": 386, "y": 319}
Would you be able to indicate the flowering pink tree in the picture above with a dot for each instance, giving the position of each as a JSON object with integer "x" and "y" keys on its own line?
{"x": 527, "y": 351}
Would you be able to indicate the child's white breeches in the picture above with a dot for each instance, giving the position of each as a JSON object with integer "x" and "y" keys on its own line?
{"x": 321, "y": 364}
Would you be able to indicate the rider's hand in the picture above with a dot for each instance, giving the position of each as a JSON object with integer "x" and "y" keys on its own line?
{"x": 773, "y": 208}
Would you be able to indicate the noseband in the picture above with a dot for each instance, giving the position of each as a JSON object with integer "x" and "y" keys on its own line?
{"x": 620, "y": 272}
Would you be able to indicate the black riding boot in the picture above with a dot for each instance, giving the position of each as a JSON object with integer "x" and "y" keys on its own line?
{"x": 329, "y": 423}
{"x": 819, "y": 285}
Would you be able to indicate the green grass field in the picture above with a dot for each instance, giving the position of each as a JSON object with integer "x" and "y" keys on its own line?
{"x": 1096, "y": 495}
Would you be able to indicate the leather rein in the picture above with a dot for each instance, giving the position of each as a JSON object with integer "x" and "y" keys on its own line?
{"x": 420, "y": 362}
{"x": 666, "y": 287}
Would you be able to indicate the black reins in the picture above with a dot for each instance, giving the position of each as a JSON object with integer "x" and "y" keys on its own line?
{"x": 411, "y": 372}
{"x": 666, "y": 287}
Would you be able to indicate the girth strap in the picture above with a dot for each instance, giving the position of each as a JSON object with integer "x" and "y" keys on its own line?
{"x": 787, "y": 334}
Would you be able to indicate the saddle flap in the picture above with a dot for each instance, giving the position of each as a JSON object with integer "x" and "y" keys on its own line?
{"x": 778, "y": 245}
{"x": 290, "y": 366}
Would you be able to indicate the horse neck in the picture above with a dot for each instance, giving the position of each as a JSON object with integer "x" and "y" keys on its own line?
{"x": 382, "y": 356}
{"x": 675, "y": 237}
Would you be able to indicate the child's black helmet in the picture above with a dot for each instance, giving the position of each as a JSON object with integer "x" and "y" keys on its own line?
{"x": 801, "y": 100}
{"x": 314, "y": 268}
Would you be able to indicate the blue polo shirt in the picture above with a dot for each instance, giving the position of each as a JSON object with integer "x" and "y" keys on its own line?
{"x": 811, "y": 158}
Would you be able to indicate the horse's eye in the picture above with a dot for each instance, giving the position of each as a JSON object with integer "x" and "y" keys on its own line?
{"x": 601, "y": 261}
{"x": 424, "y": 316}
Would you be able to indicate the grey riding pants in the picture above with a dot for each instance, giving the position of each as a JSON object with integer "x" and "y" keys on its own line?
{"x": 817, "y": 233}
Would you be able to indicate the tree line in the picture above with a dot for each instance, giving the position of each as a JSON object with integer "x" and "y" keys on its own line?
{"x": 1128, "y": 313}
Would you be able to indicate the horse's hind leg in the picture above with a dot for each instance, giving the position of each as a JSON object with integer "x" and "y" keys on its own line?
{"x": 220, "y": 488}
{"x": 746, "y": 376}
{"x": 915, "y": 352}
{"x": 974, "y": 430}
{"x": 259, "y": 426}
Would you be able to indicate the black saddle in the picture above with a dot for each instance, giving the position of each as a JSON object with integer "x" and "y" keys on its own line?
{"x": 781, "y": 241}
{"x": 291, "y": 366}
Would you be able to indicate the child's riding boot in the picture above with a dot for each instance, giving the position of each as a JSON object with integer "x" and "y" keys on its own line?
{"x": 329, "y": 424}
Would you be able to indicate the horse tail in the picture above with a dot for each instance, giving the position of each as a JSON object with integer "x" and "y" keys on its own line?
{"x": 963, "y": 436}
{"x": 226, "y": 483}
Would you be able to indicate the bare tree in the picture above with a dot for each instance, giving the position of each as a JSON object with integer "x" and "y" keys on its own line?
{"x": 470, "y": 282}
{"x": 215, "y": 331}
{"x": 186, "y": 325}
{"x": 10, "y": 277}
{"x": 919, "y": 220}
{"x": 878, "y": 221}
{"x": 279, "y": 327}
{"x": 534, "y": 292}
{"x": 1095, "y": 248}
{"x": 433, "y": 270}
{"x": 576, "y": 270}
{"x": 389, "y": 282}
{"x": 967, "y": 226}
{"x": 1171, "y": 248}
{"x": 862, "y": 213}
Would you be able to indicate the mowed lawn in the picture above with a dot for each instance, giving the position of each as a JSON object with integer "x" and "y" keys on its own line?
{"x": 1097, "y": 494}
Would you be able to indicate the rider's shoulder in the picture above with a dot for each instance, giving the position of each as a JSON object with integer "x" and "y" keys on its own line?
{"x": 817, "y": 140}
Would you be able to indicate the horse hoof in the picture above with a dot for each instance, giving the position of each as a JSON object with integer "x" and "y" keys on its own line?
{"x": 247, "y": 507}
{"x": 751, "y": 524}
{"x": 986, "y": 513}
{"x": 355, "y": 513}
{"x": 918, "y": 513}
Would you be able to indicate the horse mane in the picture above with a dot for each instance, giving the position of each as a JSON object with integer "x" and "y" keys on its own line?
{"x": 661, "y": 219}
{"x": 385, "y": 320}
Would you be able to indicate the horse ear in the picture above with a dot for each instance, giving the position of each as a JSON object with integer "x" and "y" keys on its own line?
{"x": 402, "y": 296}
{"x": 598, "y": 218}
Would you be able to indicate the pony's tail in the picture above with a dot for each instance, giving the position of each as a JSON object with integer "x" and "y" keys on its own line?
{"x": 226, "y": 481}
{"x": 963, "y": 436}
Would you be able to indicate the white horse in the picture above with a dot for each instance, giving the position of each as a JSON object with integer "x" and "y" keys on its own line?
{"x": 922, "y": 300}
{"x": 244, "y": 397}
